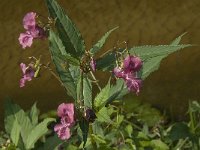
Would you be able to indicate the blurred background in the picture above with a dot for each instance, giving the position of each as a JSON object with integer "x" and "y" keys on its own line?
{"x": 141, "y": 22}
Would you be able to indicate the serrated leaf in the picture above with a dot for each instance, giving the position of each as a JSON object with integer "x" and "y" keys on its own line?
{"x": 69, "y": 34}
{"x": 178, "y": 39}
{"x": 97, "y": 129}
{"x": 15, "y": 132}
{"x": 103, "y": 115}
{"x": 153, "y": 55}
{"x": 101, "y": 42}
{"x": 34, "y": 113}
{"x": 150, "y": 51}
{"x": 117, "y": 91}
{"x": 59, "y": 49}
{"x": 87, "y": 92}
{"x": 101, "y": 98}
{"x": 84, "y": 126}
{"x": 98, "y": 138}
{"x": 63, "y": 71}
{"x": 106, "y": 63}
{"x": 38, "y": 131}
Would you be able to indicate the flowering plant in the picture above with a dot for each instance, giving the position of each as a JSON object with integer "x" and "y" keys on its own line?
{"x": 75, "y": 69}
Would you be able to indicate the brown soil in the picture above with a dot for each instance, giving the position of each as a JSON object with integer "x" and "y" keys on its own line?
{"x": 142, "y": 22}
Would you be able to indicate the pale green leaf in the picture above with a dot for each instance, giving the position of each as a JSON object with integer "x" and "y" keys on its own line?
{"x": 37, "y": 132}
{"x": 34, "y": 112}
{"x": 15, "y": 132}
{"x": 14, "y": 112}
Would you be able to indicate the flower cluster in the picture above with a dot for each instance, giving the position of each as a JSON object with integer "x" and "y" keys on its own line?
{"x": 66, "y": 112}
{"x": 131, "y": 65}
{"x": 28, "y": 74}
{"x": 33, "y": 30}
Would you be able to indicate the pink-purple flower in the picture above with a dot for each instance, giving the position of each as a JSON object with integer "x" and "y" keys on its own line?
{"x": 33, "y": 30}
{"x": 131, "y": 65}
{"x": 66, "y": 112}
{"x": 28, "y": 74}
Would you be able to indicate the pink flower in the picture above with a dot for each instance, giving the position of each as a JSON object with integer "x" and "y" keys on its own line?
{"x": 132, "y": 64}
{"x": 66, "y": 112}
{"x": 25, "y": 39}
{"x": 133, "y": 84}
{"x": 93, "y": 64}
{"x": 33, "y": 30}
{"x": 29, "y": 21}
{"x": 28, "y": 74}
{"x": 119, "y": 72}
{"x": 62, "y": 131}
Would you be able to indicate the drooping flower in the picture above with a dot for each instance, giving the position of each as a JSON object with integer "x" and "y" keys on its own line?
{"x": 28, "y": 74}
{"x": 33, "y": 30}
{"x": 131, "y": 65}
{"x": 133, "y": 84}
{"x": 62, "y": 131}
{"x": 93, "y": 64}
{"x": 66, "y": 112}
{"x": 119, "y": 72}
{"x": 25, "y": 39}
{"x": 29, "y": 21}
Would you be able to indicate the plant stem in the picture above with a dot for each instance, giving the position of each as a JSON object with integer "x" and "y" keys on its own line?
{"x": 91, "y": 73}
{"x": 91, "y": 137}
{"x": 53, "y": 73}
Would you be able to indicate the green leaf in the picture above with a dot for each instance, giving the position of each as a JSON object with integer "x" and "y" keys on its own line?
{"x": 129, "y": 130}
{"x": 97, "y": 129}
{"x": 15, "y": 132}
{"x": 87, "y": 92}
{"x": 103, "y": 115}
{"x": 51, "y": 143}
{"x": 179, "y": 131}
{"x": 37, "y": 132}
{"x": 84, "y": 126}
{"x": 59, "y": 49}
{"x": 146, "y": 53}
{"x": 63, "y": 71}
{"x": 159, "y": 145}
{"x": 107, "y": 62}
{"x": 149, "y": 51}
{"x": 178, "y": 39}
{"x": 14, "y": 112}
{"x": 69, "y": 34}
{"x": 101, "y": 42}
{"x": 34, "y": 113}
{"x": 98, "y": 138}
{"x": 102, "y": 97}
{"x": 117, "y": 91}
